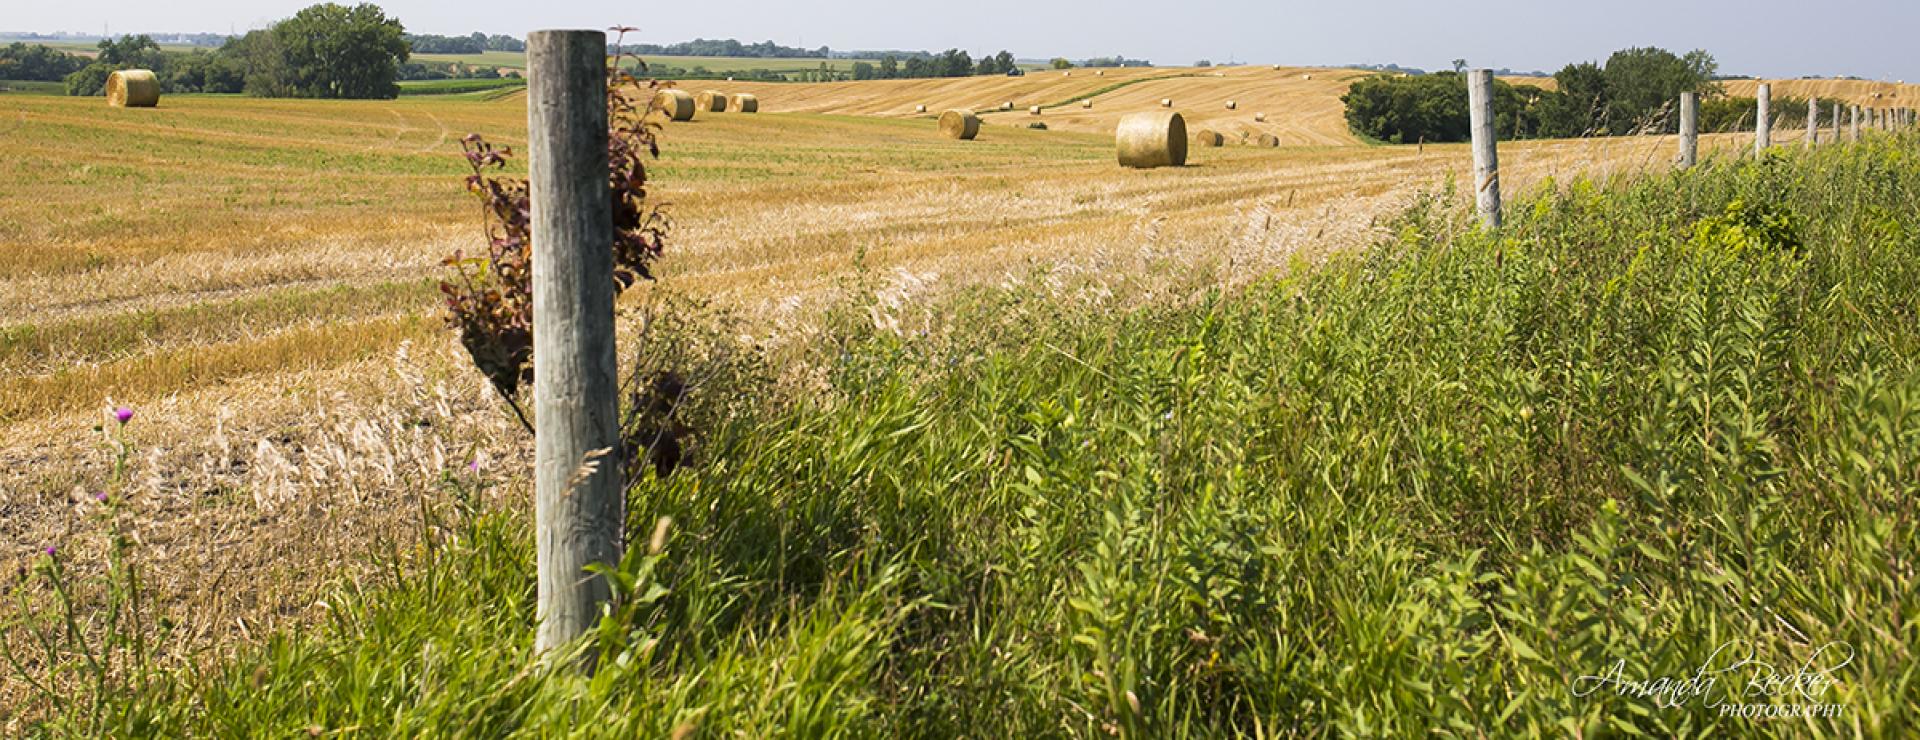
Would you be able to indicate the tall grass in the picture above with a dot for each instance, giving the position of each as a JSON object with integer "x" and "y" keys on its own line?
{"x": 1447, "y": 485}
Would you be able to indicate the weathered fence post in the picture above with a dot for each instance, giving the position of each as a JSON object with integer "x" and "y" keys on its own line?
{"x": 1813, "y": 123}
{"x": 1486, "y": 157}
{"x": 1838, "y": 124}
{"x": 1853, "y": 126}
{"x": 1763, "y": 121}
{"x": 577, "y": 517}
{"x": 1689, "y": 129}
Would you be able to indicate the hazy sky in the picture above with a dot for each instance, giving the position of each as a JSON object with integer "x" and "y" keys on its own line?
{"x": 1773, "y": 38}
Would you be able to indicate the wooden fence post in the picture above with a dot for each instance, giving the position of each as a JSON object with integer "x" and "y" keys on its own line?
{"x": 578, "y": 517}
{"x": 1689, "y": 129}
{"x": 1486, "y": 157}
{"x": 1813, "y": 123}
{"x": 1838, "y": 126}
{"x": 1853, "y": 126}
{"x": 1763, "y": 120}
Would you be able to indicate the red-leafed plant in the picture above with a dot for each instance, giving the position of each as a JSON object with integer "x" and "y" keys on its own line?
{"x": 489, "y": 298}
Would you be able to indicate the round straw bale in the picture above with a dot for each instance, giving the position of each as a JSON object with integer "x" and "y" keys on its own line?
{"x": 1007, "y": 105}
{"x": 746, "y": 103}
{"x": 959, "y": 124}
{"x": 920, "y": 109}
{"x": 1259, "y": 118}
{"x": 1306, "y": 77}
{"x": 1268, "y": 140}
{"x": 711, "y": 101}
{"x": 1233, "y": 105}
{"x": 133, "y": 88}
{"x": 1152, "y": 139}
{"x": 676, "y": 104}
{"x": 1099, "y": 73}
{"x": 1209, "y": 138}
{"x": 1033, "y": 110}
{"x": 1166, "y": 102}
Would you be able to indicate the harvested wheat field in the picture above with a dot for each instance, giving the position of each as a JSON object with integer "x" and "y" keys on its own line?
{"x": 257, "y": 280}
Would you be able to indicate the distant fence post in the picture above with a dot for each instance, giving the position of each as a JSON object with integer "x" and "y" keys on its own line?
{"x": 577, "y": 518}
{"x": 1763, "y": 121}
{"x": 1486, "y": 157}
{"x": 1838, "y": 125}
{"x": 1689, "y": 129}
{"x": 1853, "y": 126}
{"x": 1813, "y": 123}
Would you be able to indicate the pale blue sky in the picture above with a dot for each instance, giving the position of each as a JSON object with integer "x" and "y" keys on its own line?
{"x": 1775, "y": 38}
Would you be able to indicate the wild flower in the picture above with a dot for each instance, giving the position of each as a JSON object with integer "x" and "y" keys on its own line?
{"x": 123, "y": 414}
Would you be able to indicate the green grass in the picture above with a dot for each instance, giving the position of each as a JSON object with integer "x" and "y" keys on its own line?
{"x": 455, "y": 87}
{"x": 1415, "y": 490}
{"x": 32, "y": 87}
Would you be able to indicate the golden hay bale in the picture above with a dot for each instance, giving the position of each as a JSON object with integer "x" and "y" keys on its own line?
{"x": 1306, "y": 77}
{"x": 1267, "y": 140}
{"x": 1033, "y": 110}
{"x": 1007, "y": 105}
{"x": 1209, "y": 138}
{"x": 746, "y": 103}
{"x": 133, "y": 88}
{"x": 1166, "y": 102}
{"x": 676, "y": 104}
{"x": 1152, "y": 139}
{"x": 1099, "y": 73}
{"x": 919, "y": 109}
{"x": 959, "y": 124}
{"x": 1086, "y": 104}
{"x": 1233, "y": 105}
{"x": 711, "y": 101}
{"x": 1259, "y": 118}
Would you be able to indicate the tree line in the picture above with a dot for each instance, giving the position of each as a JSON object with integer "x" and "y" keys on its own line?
{"x": 1636, "y": 91}
{"x": 949, "y": 63}
{"x": 473, "y": 43}
{"x": 722, "y": 48}
{"x": 324, "y": 51}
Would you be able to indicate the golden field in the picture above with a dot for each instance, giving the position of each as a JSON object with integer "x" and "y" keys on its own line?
{"x": 244, "y": 272}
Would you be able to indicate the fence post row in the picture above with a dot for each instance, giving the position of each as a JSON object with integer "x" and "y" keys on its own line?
{"x": 1689, "y": 129}
{"x": 1763, "y": 122}
{"x": 578, "y": 514}
{"x": 1486, "y": 158}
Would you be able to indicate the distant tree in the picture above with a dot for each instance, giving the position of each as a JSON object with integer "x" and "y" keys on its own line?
{"x": 1433, "y": 108}
{"x": 1642, "y": 85}
{"x": 1004, "y": 61}
{"x": 1459, "y": 65}
{"x": 986, "y": 66}
{"x": 501, "y": 42}
{"x": 18, "y": 61}
{"x": 1203, "y": 63}
{"x": 1580, "y": 107}
{"x": 889, "y": 67}
{"x": 1061, "y": 63}
{"x": 333, "y": 51}
{"x": 258, "y": 57}
{"x": 953, "y": 63}
{"x": 917, "y": 67}
{"x": 125, "y": 52}
{"x": 863, "y": 71}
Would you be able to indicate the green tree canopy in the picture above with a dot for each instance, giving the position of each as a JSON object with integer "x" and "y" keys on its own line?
{"x": 333, "y": 51}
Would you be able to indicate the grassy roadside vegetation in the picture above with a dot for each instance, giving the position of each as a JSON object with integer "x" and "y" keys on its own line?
{"x": 1421, "y": 489}
{"x": 454, "y": 87}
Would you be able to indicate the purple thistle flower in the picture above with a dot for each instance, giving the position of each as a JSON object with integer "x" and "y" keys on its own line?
{"x": 51, "y": 550}
{"x": 124, "y": 414}
{"x": 101, "y": 497}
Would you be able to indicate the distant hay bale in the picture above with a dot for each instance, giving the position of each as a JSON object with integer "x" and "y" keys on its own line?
{"x": 729, "y": 78}
{"x": 746, "y": 103}
{"x": 919, "y": 109}
{"x": 1233, "y": 105}
{"x": 1278, "y": 67}
{"x": 676, "y": 104}
{"x": 1086, "y": 104}
{"x": 1152, "y": 139}
{"x": 133, "y": 88}
{"x": 1209, "y": 138}
{"x": 1306, "y": 77}
{"x": 1259, "y": 118}
{"x": 1099, "y": 73}
{"x": 1166, "y": 102}
{"x": 1007, "y": 105}
{"x": 959, "y": 124}
{"x": 1267, "y": 140}
{"x": 1033, "y": 110}
{"x": 711, "y": 101}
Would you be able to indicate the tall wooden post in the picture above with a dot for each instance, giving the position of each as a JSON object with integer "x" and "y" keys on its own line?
{"x": 577, "y": 518}
{"x": 1486, "y": 157}
{"x": 1689, "y": 129}
{"x": 1838, "y": 124}
{"x": 1763, "y": 120}
{"x": 1813, "y": 123}
{"x": 1853, "y": 127}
